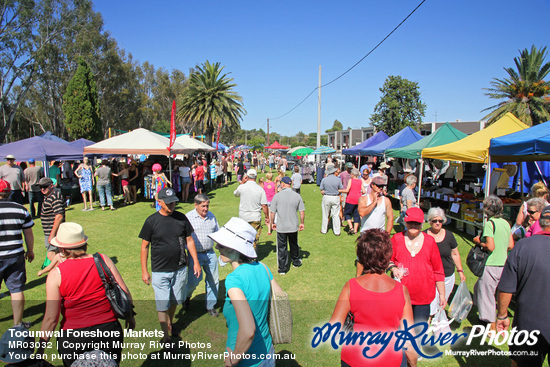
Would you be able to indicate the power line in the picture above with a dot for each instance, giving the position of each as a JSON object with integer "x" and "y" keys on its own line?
{"x": 357, "y": 63}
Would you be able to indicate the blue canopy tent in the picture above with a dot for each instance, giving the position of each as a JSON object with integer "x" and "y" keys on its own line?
{"x": 221, "y": 147}
{"x": 527, "y": 145}
{"x": 372, "y": 141}
{"x": 50, "y": 136}
{"x": 531, "y": 147}
{"x": 40, "y": 149}
{"x": 404, "y": 137}
{"x": 81, "y": 143}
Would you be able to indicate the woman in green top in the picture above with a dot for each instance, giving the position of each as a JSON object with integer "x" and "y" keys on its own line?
{"x": 248, "y": 290}
{"x": 496, "y": 240}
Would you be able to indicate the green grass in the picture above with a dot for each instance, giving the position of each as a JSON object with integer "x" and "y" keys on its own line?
{"x": 328, "y": 262}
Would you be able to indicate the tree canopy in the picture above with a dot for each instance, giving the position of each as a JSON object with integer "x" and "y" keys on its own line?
{"x": 208, "y": 99}
{"x": 400, "y": 106}
{"x": 336, "y": 126}
{"x": 525, "y": 92}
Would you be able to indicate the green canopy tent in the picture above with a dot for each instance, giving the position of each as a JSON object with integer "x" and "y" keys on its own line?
{"x": 443, "y": 135}
{"x": 302, "y": 152}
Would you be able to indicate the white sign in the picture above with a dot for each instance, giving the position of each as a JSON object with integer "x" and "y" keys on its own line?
{"x": 455, "y": 208}
{"x": 467, "y": 188}
{"x": 450, "y": 183}
{"x": 445, "y": 197}
{"x": 477, "y": 189}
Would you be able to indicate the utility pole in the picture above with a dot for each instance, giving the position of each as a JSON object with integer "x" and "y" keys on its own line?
{"x": 267, "y": 132}
{"x": 245, "y": 137}
{"x": 319, "y": 112}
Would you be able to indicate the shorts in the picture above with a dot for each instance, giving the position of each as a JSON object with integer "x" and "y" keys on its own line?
{"x": 199, "y": 184}
{"x": 350, "y": 211}
{"x": 13, "y": 273}
{"x": 124, "y": 182}
{"x": 541, "y": 348}
{"x": 49, "y": 246}
{"x": 169, "y": 288}
{"x": 186, "y": 180}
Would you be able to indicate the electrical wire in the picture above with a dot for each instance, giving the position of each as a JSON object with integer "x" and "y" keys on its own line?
{"x": 357, "y": 63}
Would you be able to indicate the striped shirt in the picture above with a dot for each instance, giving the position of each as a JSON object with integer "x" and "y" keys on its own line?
{"x": 13, "y": 219}
{"x": 203, "y": 227}
{"x": 52, "y": 205}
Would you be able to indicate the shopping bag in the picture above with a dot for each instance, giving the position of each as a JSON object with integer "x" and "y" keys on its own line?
{"x": 440, "y": 323}
{"x": 461, "y": 304}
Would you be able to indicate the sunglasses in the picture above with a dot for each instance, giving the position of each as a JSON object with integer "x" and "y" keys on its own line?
{"x": 380, "y": 186}
{"x": 532, "y": 212}
{"x": 437, "y": 220}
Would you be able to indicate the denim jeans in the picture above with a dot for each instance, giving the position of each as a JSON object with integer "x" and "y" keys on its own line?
{"x": 209, "y": 264}
{"x": 105, "y": 190}
{"x": 35, "y": 197}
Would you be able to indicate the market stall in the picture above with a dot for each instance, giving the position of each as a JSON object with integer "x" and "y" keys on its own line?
{"x": 372, "y": 141}
{"x": 463, "y": 199}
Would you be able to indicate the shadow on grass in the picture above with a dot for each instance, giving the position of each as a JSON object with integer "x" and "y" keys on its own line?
{"x": 287, "y": 360}
{"x": 480, "y": 359}
{"x": 265, "y": 248}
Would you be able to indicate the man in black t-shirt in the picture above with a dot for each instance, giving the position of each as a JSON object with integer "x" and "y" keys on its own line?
{"x": 168, "y": 232}
{"x": 526, "y": 275}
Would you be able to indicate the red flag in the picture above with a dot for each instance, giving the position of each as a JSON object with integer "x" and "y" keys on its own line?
{"x": 173, "y": 124}
{"x": 218, "y": 138}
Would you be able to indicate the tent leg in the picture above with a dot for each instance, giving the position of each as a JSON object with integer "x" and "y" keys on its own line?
{"x": 420, "y": 180}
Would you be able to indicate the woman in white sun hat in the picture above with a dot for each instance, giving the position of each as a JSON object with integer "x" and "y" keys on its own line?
{"x": 76, "y": 285}
{"x": 248, "y": 292}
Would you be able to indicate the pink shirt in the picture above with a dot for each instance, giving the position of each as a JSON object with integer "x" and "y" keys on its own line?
{"x": 269, "y": 188}
{"x": 534, "y": 229}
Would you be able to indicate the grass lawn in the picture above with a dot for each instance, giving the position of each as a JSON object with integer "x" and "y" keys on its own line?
{"x": 328, "y": 262}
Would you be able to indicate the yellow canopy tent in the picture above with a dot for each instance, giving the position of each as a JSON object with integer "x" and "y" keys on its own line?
{"x": 475, "y": 148}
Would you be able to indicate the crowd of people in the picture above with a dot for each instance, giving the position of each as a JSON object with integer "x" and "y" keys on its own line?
{"x": 405, "y": 277}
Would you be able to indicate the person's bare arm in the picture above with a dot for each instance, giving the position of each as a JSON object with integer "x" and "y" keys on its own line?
{"x": 56, "y": 223}
{"x": 342, "y": 306}
{"x": 29, "y": 242}
{"x": 362, "y": 206}
{"x": 410, "y": 353}
{"x": 53, "y": 306}
{"x": 504, "y": 300}
{"x": 346, "y": 190}
{"x": 458, "y": 263}
{"x": 145, "y": 276}
{"x": 389, "y": 215}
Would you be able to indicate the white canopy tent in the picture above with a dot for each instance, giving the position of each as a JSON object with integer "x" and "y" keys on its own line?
{"x": 138, "y": 141}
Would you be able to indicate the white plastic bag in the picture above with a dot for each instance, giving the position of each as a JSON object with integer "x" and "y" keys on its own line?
{"x": 440, "y": 323}
{"x": 461, "y": 304}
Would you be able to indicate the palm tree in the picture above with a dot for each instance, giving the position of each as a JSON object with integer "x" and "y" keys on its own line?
{"x": 208, "y": 99}
{"x": 526, "y": 92}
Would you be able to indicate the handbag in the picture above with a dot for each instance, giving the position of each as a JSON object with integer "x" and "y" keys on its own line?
{"x": 280, "y": 316}
{"x": 477, "y": 257}
{"x": 118, "y": 298}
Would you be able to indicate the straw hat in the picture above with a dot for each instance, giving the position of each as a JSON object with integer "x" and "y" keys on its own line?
{"x": 238, "y": 235}
{"x": 69, "y": 235}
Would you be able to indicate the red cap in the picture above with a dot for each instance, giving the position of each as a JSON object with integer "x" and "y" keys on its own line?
{"x": 4, "y": 186}
{"x": 414, "y": 215}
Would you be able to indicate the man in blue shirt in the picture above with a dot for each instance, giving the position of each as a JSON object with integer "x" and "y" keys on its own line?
{"x": 204, "y": 223}
{"x": 331, "y": 200}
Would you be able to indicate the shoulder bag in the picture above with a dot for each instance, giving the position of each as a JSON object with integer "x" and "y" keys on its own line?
{"x": 477, "y": 257}
{"x": 280, "y": 316}
{"x": 119, "y": 300}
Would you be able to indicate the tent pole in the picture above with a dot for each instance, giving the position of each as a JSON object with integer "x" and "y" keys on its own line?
{"x": 488, "y": 176}
{"x": 170, "y": 167}
{"x": 420, "y": 180}
{"x": 521, "y": 177}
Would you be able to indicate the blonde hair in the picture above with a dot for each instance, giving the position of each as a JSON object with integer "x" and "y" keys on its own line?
{"x": 539, "y": 190}
{"x": 269, "y": 176}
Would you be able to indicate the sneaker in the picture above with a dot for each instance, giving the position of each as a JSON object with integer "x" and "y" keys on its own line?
{"x": 282, "y": 273}
{"x": 298, "y": 264}
{"x": 213, "y": 313}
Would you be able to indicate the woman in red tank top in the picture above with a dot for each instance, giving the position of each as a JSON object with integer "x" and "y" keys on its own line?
{"x": 75, "y": 289}
{"x": 354, "y": 191}
{"x": 377, "y": 302}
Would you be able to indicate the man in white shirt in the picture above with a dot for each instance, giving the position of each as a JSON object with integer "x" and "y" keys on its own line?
{"x": 253, "y": 202}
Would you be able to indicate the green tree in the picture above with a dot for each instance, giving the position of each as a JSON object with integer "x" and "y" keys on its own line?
{"x": 336, "y": 126}
{"x": 209, "y": 98}
{"x": 28, "y": 29}
{"x": 400, "y": 106}
{"x": 525, "y": 92}
{"x": 80, "y": 105}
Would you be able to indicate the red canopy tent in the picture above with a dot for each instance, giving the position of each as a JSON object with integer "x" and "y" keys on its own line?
{"x": 276, "y": 145}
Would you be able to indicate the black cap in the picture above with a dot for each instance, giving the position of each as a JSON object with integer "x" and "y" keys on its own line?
{"x": 45, "y": 182}
{"x": 168, "y": 195}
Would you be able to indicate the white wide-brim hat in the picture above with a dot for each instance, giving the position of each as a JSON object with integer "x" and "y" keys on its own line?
{"x": 238, "y": 235}
{"x": 69, "y": 235}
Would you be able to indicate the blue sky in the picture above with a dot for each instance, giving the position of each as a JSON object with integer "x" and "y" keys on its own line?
{"x": 273, "y": 51}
